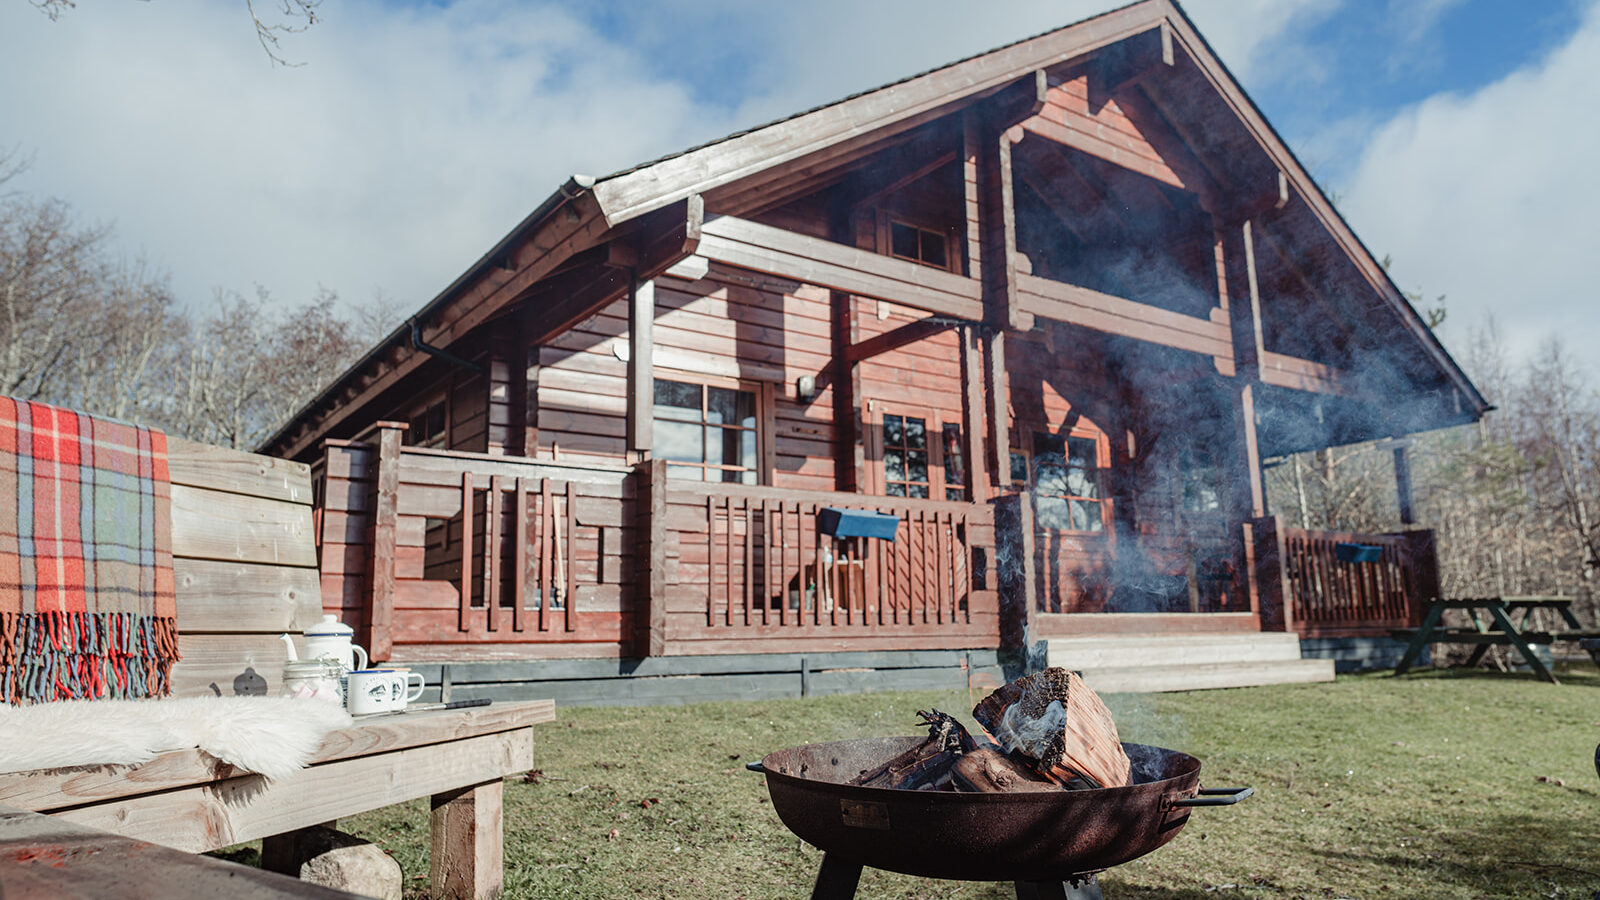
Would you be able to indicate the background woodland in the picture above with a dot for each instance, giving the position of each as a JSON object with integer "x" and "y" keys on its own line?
{"x": 1513, "y": 499}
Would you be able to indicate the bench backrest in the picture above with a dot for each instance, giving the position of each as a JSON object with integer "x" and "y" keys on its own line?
{"x": 245, "y": 562}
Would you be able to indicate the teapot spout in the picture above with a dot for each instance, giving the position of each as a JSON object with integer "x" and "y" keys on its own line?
{"x": 288, "y": 643}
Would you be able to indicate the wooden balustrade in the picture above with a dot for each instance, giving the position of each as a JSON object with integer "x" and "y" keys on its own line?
{"x": 1326, "y": 596}
{"x": 751, "y": 563}
{"x": 431, "y": 550}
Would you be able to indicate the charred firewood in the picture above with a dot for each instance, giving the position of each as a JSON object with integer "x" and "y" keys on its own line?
{"x": 1052, "y": 717}
{"x": 927, "y": 765}
{"x": 988, "y": 771}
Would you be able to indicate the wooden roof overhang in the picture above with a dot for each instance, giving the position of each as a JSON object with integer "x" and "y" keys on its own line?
{"x": 580, "y": 248}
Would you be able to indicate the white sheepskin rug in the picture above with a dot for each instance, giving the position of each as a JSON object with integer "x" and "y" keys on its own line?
{"x": 274, "y": 736}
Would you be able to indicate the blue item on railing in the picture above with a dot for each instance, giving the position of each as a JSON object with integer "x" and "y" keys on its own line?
{"x": 1361, "y": 553}
{"x": 843, "y": 523}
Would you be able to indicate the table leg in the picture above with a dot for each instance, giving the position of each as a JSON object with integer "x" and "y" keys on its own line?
{"x": 467, "y": 859}
{"x": 1515, "y": 636}
{"x": 1429, "y": 622}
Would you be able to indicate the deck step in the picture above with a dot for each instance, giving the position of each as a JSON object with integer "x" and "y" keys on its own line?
{"x": 1152, "y": 679}
{"x": 1103, "y": 652}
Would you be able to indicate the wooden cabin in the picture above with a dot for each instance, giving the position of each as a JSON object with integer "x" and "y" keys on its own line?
{"x": 1050, "y": 307}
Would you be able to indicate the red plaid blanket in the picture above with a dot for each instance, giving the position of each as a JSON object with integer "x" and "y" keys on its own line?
{"x": 87, "y": 606}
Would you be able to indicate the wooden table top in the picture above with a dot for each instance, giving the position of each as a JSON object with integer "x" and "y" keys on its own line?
{"x": 45, "y": 857}
{"x": 49, "y": 789}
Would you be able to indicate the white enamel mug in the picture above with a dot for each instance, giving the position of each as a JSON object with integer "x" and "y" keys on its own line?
{"x": 372, "y": 691}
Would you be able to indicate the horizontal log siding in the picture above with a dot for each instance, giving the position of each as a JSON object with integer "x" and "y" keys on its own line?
{"x": 1107, "y": 132}
{"x": 732, "y": 324}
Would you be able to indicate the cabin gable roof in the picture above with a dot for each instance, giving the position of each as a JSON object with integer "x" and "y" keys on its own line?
{"x": 1228, "y": 142}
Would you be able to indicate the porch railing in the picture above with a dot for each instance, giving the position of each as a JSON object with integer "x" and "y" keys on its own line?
{"x": 1326, "y": 595}
{"x": 750, "y": 562}
{"x": 438, "y": 549}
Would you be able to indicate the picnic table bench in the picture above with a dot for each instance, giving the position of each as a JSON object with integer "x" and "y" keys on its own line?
{"x": 1508, "y": 624}
{"x": 190, "y": 801}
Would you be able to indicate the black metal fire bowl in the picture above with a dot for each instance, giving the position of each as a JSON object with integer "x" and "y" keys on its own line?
{"x": 1051, "y": 836}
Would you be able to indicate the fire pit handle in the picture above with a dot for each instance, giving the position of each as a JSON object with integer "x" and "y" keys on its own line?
{"x": 1216, "y": 797}
{"x": 756, "y": 767}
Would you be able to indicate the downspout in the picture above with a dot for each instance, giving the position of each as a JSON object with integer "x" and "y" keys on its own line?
{"x": 440, "y": 352}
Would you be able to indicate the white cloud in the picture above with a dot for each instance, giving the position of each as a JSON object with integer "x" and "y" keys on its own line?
{"x": 415, "y": 136}
{"x": 1489, "y": 198}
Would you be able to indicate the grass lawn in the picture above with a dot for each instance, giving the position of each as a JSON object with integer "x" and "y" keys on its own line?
{"x": 1439, "y": 785}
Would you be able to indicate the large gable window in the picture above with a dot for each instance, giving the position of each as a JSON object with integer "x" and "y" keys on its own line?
{"x": 1066, "y": 483}
{"x": 705, "y": 433}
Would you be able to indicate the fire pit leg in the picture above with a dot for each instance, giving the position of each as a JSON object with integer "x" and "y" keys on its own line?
{"x": 836, "y": 880}
{"x": 1085, "y": 888}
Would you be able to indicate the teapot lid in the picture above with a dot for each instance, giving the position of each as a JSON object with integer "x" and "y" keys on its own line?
{"x": 330, "y": 626}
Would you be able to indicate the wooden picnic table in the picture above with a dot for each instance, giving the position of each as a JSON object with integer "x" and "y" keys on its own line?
{"x": 1508, "y": 624}
{"x": 190, "y": 801}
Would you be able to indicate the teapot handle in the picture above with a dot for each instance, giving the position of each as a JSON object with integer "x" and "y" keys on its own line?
{"x": 360, "y": 656}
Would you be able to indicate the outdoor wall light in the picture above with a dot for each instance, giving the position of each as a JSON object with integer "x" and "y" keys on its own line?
{"x": 805, "y": 387}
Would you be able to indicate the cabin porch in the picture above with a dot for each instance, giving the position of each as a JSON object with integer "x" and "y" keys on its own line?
{"x": 587, "y": 572}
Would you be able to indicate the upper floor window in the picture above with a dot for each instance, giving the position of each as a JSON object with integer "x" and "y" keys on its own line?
{"x": 921, "y": 245}
{"x": 705, "y": 433}
{"x": 1066, "y": 483}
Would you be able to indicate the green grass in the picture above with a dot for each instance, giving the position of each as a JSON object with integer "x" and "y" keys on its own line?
{"x": 1439, "y": 785}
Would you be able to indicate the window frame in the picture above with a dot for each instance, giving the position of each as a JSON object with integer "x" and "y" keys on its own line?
{"x": 1102, "y": 461}
{"x": 933, "y": 430}
{"x": 954, "y": 251}
{"x": 761, "y": 412}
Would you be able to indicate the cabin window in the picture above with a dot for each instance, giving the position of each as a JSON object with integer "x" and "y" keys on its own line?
{"x": 923, "y": 245}
{"x": 1200, "y": 477}
{"x": 428, "y": 427}
{"x": 1066, "y": 483}
{"x": 1019, "y": 470}
{"x": 955, "y": 463}
{"x": 705, "y": 433}
{"x": 905, "y": 456}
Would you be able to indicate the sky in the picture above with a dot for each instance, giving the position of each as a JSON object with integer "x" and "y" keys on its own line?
{"x": 1456, "y": 136}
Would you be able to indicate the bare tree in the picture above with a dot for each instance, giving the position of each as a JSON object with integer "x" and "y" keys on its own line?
{"x": 281, "y": 17}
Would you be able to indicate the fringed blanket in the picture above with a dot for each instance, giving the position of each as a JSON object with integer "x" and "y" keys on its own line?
{"x": 87, "y": 607}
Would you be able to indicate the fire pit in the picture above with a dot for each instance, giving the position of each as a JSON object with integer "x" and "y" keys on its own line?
{"x": 1050, "y": 843}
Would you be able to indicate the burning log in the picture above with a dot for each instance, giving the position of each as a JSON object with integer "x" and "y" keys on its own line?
{"x": 988, "y": 771}
{"x": 1056, "y": 719}
{"x": 926, "y": 766}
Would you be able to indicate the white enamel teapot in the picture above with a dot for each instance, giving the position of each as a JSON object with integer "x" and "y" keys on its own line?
{"x": 333, "y": 640}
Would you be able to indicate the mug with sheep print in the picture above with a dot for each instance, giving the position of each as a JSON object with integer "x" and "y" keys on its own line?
{"x": 381, "y": 690}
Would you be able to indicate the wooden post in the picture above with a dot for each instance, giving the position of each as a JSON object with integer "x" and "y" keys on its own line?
{"x": 998, "y": 387}
{"x": 849, "y": 454}
{"x": 972, "y": 416}
{"x": 467, "y": 852}
{"x": 1019, "y": 602}
{"x": 650, "y": 579}
{"x": 1268, "y": 574}
{"x": 379, "y": 613}
{"x": 1402, "y": 485}
{"x": 523, "y": 363}
{"x": 641, "y": 377}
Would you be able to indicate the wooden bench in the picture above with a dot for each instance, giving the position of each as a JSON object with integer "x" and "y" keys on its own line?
{"x": 1501, "y": 629}
{"x": 245, "y": 565}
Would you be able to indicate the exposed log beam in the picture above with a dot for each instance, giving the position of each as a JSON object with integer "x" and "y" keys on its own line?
{"x": 572, "y": 296}
{"x": 898, "y": 337}
{"x": 809, "y": 260}
{"x": 1304, "y": 375}
{"x": 1092, "y": 309}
